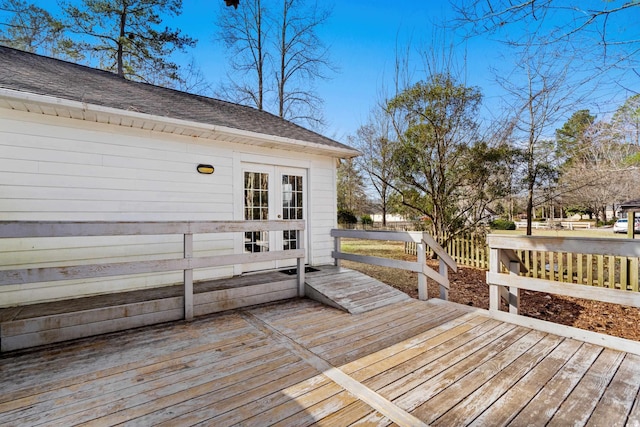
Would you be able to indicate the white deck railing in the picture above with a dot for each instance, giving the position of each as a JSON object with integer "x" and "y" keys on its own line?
{"x": 420, "y": 266}
{"x": 187, "y": 263}
{"x": 505, "y": 281}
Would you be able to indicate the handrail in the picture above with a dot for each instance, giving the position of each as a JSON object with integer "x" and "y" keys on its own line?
{"x": 420, "y": 266}
{"x": 27, "y": 229}
{"x": 504, "y": 278}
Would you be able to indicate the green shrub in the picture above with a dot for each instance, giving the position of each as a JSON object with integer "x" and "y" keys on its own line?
{"x": 366, "y": 220}
{"x": 502, "y": 224}
{"x": 346, "y": 217}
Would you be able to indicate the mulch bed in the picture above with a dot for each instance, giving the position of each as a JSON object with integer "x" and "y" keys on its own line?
{"x": 468, "y": 286}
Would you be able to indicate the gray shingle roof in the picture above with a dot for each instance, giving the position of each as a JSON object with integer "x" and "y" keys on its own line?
{"x": 27, "y": 72}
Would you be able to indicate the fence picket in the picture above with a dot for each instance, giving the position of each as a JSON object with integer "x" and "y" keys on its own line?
{"x": 633, "y": 274}
{"x": 616, "y": 272}
{"x": 612, "y": 272}
{"x": 580, "y": 268}
{"x": 600, "y": 263}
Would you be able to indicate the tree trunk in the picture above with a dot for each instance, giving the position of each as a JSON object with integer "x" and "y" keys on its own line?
{"x": 120, "y": 53}
{"x": 530, "y": 208}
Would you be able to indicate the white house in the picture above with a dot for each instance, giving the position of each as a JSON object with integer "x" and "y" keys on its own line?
{"x": 81, "y": 144}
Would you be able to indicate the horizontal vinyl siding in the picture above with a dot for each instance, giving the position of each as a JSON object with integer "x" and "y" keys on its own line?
{"x": 323, "y": 204}
{"x": 64, "y": 169}
{"x": 58, "y": 169}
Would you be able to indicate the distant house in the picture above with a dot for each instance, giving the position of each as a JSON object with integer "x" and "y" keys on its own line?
{"x": 81, "y": 144}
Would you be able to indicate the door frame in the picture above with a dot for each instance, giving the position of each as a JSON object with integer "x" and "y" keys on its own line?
{"x": 275, "y": 200}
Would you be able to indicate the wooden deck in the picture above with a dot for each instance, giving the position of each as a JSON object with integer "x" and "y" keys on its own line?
{"x": 299, "y": 362}
{"x": 46, "y": 323}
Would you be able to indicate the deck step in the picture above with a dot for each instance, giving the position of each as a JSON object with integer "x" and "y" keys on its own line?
{"x": 350, "y": 290}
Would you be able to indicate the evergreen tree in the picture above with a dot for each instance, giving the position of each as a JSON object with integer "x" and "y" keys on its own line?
{"x": 126, "y": 37}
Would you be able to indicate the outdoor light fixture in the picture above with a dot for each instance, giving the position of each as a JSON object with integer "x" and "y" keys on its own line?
{"x": 205, "y": 169}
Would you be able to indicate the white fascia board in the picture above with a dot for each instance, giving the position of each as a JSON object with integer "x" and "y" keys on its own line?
{"x": 259, "y": 138}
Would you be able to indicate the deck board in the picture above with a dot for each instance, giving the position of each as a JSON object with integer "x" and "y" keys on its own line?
{"x": 576, "y": 409}
{"x": 619, "y": 395}
{"x": 270, "y": 365}
{"x": 350, "y": 290}
{"x": 548, "y": 399}
{"x": 517, "y": 396}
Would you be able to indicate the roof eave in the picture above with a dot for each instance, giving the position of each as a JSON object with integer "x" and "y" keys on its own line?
{"x": 55, "y": 106}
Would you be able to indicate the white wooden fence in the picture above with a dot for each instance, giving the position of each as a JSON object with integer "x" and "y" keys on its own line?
{"x": 505, "y": 268}
{"x": 422, "y": 240}
{"x": 187, "y": 263}
{"x": 568, "y": 225}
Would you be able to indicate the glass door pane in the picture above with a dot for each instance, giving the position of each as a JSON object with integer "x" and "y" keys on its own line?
{"x": 292, "y": 208}
{"x": 256, "y": 208}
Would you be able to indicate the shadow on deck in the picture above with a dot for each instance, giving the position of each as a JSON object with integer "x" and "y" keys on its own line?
{"x": 46, "y": 323}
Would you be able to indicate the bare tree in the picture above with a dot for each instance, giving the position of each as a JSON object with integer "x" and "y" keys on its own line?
{"x": 274, "y": 48}
{"x": 602, "y": 34}
{"x": 193, "y": 80}
{"x": 376, "y": 140}
{"x": 626, "y": 120}
{"x": 540, "y": 91}
{"x": 549, "y": 21}
{"x": 351, "y": 194}
{"x": 605, "y": 174}
{"x": 302, "y": 58}
{"x": 33, "y": 29}
{"x": 244, "y": 34}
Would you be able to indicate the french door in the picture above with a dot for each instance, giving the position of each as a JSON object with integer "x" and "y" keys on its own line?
{"x": 271, "y": 193}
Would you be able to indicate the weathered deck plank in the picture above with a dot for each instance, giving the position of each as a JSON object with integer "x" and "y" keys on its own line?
{"x": 516, "y": 397}
{"x": 548, "y": 399}
{"x": 621, "y": 394}
{"x": 576, "y": 409}
{"x": 549, "y": 348}
{"x": 299, "y": 363}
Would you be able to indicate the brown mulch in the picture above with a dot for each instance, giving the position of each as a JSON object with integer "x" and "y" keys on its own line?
{"x": 469, "y": 287}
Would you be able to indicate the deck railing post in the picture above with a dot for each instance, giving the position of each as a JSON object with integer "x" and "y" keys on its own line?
{"x": 301, "y": 265}
{"x": 514, "y": 293}
{"x": 494, "y": 290}
{"x": 422, "y": 278}
{"x": 188, "y": 278}
{"x": 336, "y": 248}
{"x": 442, "y": 269}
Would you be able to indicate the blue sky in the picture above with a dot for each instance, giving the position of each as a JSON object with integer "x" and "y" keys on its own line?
{"x": 363, "y": 35}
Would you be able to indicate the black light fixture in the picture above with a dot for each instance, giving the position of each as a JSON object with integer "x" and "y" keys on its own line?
{"x": 205, "y": 169}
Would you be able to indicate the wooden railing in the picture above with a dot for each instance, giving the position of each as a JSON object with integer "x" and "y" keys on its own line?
{"x": 505, "y": 277}
{"x": 421, "y": 240}
{"x": 595, "y": 270}
{"x": 187, "y": 263}
{"x": 465, "y": 250}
